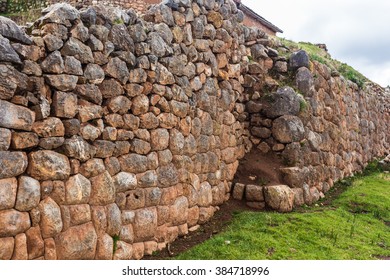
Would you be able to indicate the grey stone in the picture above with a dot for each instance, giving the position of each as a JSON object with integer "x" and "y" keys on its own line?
{"x": 284, "y": 102}
{"x": 29, "y": 194}
{"x": 74, "y": 47}
{"x": 59, "y": 13}
{"x": 12, "y": 31}
{"x": 121, "y": 38}
{"x": 11, "y": 80}
{"x": 7, "y": 53}
{"x": 16, "y": 117}
{"x": 304, "y": 80}
{"x": 287, "y": 129}
{"x": 299, "y": 59}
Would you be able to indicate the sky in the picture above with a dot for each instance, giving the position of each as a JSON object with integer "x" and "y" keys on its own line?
{"x": 356, "y": 32}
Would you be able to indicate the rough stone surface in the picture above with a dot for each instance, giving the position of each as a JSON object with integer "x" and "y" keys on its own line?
{"x": 77, "y": 243}
{"x": 279, "y": 197}
{"x": 8, "y": 189}
{"x": 287, "y": 129}
{"x": 13, "y": 222}
{"x": 12, "y": 164}
{"x": 29, "y": 194}
{"x": 51, "y": 221}
{"x": 48, "y": 165}
{"x": 284, "y": 102}
{"x": 16, "y": 117}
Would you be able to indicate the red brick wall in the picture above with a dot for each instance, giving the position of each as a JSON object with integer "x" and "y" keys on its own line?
{"x": 249, "y": 21}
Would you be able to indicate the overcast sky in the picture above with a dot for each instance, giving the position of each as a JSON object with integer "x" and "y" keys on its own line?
{"x": 356, "y": 31}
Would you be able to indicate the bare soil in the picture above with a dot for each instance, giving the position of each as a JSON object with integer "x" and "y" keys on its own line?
{"x": 259, "y": 169}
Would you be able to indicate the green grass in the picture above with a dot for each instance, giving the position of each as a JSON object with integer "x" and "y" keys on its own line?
{"x": 317, "y": 54}
{"x": 353, "y": 226}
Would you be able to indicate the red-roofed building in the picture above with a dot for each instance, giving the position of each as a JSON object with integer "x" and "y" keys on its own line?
{"x": 254, "y": 19}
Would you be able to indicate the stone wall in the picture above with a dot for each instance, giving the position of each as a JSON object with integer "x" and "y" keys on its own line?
{"x": 118, "y": 134}
{"x": 324, "y": 128}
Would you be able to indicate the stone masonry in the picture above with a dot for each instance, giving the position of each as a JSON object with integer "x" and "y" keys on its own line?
{"x": 120, "y": 133}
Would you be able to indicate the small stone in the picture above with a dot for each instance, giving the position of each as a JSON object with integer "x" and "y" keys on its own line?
{"x": 11, "y": 80}
{"x": 72, "y": 66}
{"x": 92, "y": 167}
{"x": 5, "y": 139}
{"x": 238, "y": 191}
{"x": 140, "y": 105}
{"x": 7, "y": 53}
{"x": 73, "y": 47}
{"x": 78, "y": 148}
{"x": 254, "y": 193}
{"x": 90, "y": 93}
{"x": 125, "y": 181}
{"x": 20, "y": 251}
{"x": 35, "y": 243}
{"x": 11, "y": 30}
{"x": 284, "y": 102}
{"x": 104, "y": 248}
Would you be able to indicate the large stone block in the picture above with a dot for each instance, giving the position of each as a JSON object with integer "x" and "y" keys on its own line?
{"x": 20, "y": 249}
{"x": 7, "y": 248}
{"x": 16, "y": 117}
{"x": 50, "y": 127}
{"x": 103, "y": 189}
{"x": 51, "y": 221}
{"x": 283, "y": 102}
{"x": 48, "y": 165}
{"x": 77, "y": 243}
{"x": 8, "y": 189}
{"x": 145, "y": 224}
{"x": 13, "y": 222}
{"x": 35, "y": 243}
{"x": 77, "y": 190}
{"x": 12, "y": 164}
{"x": 287, "y": 129}
{"x": 29, "y": 194}
{"x": 279, "y": 197}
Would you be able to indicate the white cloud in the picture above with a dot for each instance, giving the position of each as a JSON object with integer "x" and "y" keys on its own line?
{"x": 354, "y": 31}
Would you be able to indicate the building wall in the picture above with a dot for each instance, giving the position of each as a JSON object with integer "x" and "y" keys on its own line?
{"x": 249, "y": 21}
